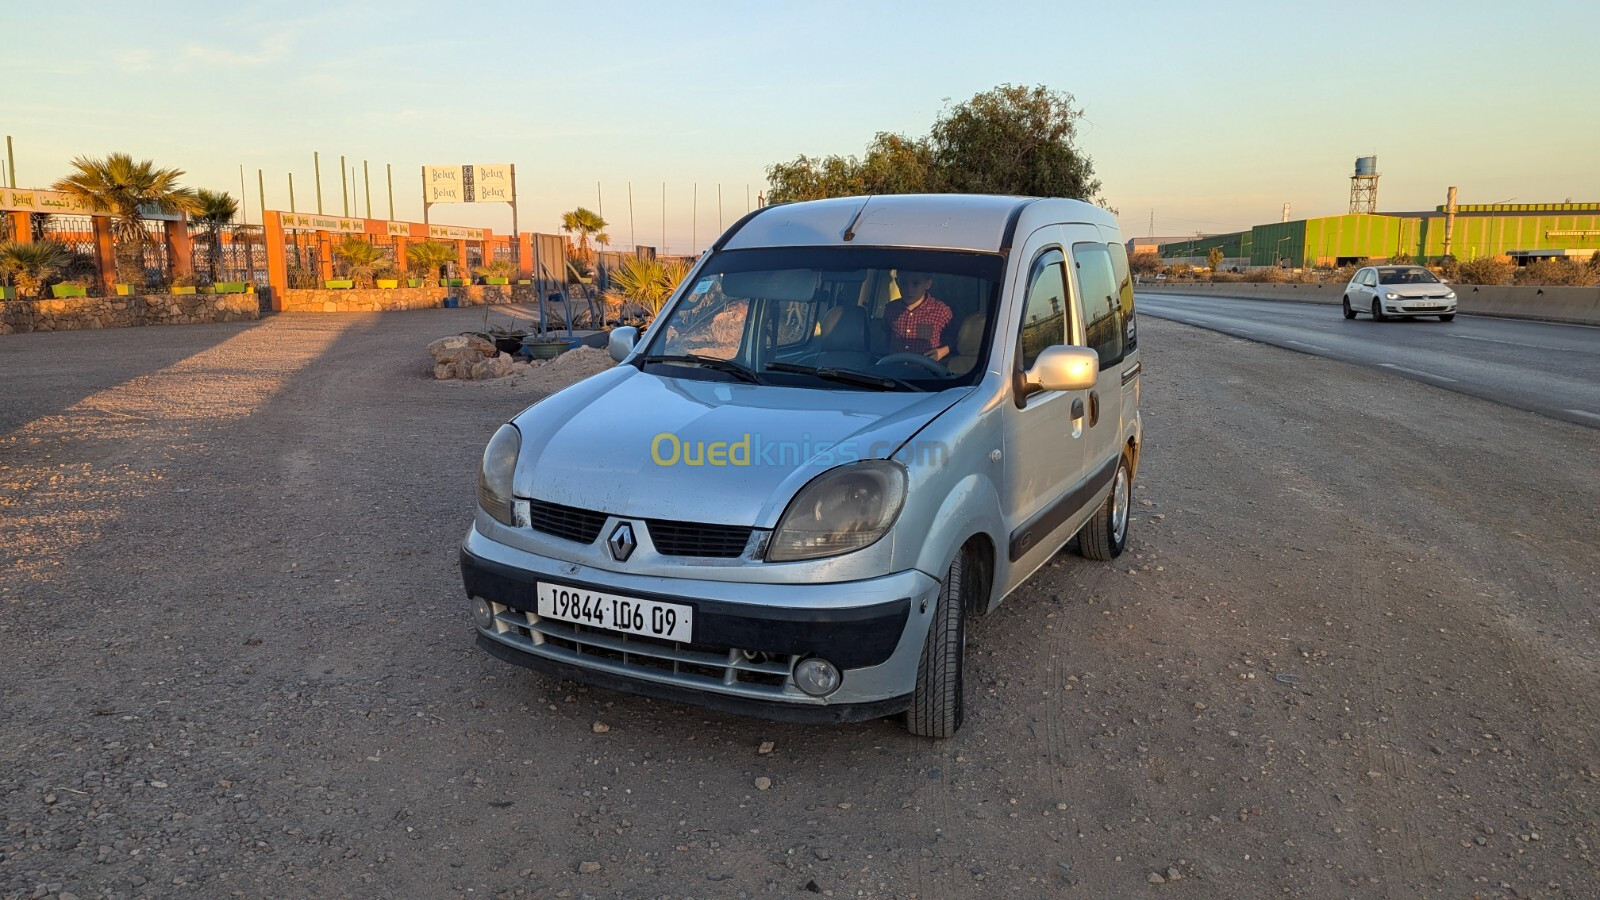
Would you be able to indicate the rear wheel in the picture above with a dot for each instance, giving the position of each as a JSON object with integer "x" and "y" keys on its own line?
{"x": 1106, "y": 535}
{"x": 1451, "y": 317}
{"x": 1348, "y": 312}
{"x": 938, "y": 702}
{"x": 1377, "y": 310}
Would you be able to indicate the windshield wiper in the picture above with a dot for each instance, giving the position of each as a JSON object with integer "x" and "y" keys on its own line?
{"x": 845, "y": 376}
{"x": 710, "y": 362}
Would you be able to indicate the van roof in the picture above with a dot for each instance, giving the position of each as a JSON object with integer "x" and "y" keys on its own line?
{"x": 982, "y": 222}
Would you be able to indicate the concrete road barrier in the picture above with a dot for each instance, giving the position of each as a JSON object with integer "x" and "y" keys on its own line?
{"x": 1577, "y": 305}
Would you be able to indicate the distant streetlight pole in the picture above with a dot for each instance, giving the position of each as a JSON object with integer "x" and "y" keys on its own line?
{"x": 316, "y": 168}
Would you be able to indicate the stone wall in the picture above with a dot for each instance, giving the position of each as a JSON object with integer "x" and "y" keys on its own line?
{"x": 75, "y": 313}
{"x": 385, "y": 300}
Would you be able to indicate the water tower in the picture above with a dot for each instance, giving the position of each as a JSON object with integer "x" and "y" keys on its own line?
{"x": 1364, "y": 186}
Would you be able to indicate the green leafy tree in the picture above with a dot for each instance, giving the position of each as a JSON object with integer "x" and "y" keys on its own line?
{"x": 427, "y": 257}
{"x": 584, "y": 223}
{"x": 362, "y": 257}
{"x": 213, "y": 210}
{"x": 1214, "y": 258}
{"x": 1013, "y": 140}
{"x": 29, "y": 266}
{"x": 125, "y": 188}
{"x": 1009, "y": 140}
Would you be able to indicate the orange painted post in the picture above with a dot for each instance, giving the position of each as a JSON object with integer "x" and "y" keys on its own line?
{"x": 180, "y": 257}
{"x": 105, "y": 252}
{"x": 21, "y": 227}
{"x": 525, "y": 254}
{"x": 277, "y": 257}
{"x": 461, "y": 260}
{"x": 324, "y": 257}
{"x": 399, "y": 242}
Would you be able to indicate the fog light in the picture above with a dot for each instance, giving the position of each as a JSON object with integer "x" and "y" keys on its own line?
{"x": 817, "y": 677}
{"x": 482, "y": 614}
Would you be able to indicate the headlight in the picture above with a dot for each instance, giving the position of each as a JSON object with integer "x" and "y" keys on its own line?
{"x": 1449, "y": 295}
{"x": 1392, "y": 296}
{"x": 841, "y": 510}
{"x": 494, "y": 476}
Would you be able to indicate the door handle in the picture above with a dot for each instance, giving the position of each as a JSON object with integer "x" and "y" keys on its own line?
{"x": 1077, "y": 407}
{"x": 1094, "y": 407}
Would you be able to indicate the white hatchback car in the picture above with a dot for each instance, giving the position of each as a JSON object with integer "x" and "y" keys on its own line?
{"x": 1396, "y": 291}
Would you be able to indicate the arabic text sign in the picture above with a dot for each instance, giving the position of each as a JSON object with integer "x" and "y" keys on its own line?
{"x": 312, "y": 222}
{"x": 477, "y": 183}
{"x": 455, "y": 233}
{"x": 19, "y": 200}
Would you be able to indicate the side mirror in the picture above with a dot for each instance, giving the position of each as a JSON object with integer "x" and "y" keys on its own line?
{"x": 1062, "y": 368}
{"x": 621, "y": 343}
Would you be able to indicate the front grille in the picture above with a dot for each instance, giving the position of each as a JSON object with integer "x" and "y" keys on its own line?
{"x": 694, "y": 539}
{"x": 568, "y": 522}
{"x": 701, "y": 666}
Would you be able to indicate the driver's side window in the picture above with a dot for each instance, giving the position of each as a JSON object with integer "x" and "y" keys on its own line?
{"x": 1044, "y": 309}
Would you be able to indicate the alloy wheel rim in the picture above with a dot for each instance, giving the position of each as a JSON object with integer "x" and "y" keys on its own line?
{"x": 1119, "y": 505}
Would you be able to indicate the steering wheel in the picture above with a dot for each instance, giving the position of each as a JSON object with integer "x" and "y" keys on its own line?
{"x": 932, "y": 365}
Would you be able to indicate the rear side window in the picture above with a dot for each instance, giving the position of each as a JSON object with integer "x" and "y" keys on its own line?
{"x": 1044, "y": 312}
{"x": 1100, "y": 299}
{"x": 1119, "y": 263}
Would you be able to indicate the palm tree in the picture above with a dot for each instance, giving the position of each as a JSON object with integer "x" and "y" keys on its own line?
{"x": 644, "y": 281}
{"x": 585, "y": 223}
{"x": 31, "y": 265}
{"x": 215, "y": 209}
{"x": 124, "y": 188}
{"x": 362, "y": 256}
{"x": 426, "y": 257}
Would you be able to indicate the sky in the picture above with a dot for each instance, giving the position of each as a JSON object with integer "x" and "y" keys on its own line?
{"x": 1203, "y": 117}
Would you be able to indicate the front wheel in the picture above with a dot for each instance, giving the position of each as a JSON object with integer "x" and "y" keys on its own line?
{"x": 1348, "y": 312}
{"x": 1448, "y": 318}
{"x": 1377, "y": 311}
{"x": 1105, "y": 536}
{"x": 939, "y": 699}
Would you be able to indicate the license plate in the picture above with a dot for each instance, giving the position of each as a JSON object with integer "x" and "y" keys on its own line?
{"x": 632, "y": 615}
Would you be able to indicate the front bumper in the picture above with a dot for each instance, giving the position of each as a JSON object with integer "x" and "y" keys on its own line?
{"x": 748, "y": 637}
{"x": 1419, "y": 307}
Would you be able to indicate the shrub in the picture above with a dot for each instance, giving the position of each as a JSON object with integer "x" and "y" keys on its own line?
{"x": 362, "y": 257}
{"x": 426, "y": 257}
{"x": 1226, "y": 277}
{"x": 30, "y": 266}
{"x": 1265, "y": 275}
{"x": 500, "y": 268}
{"x": 1558, "y": 272}
{"x": 1486, "y": 270}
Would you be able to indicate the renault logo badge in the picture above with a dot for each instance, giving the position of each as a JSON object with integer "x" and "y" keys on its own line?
{"x": 622, "y": 541}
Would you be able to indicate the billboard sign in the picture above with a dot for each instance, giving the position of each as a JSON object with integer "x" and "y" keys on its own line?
{"x": 476, "y": 183}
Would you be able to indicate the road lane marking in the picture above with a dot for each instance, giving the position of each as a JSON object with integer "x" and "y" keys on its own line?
{"x": 1312, "y": 346}
{"x": 1468, "y": 337}
{"x": 1585, "y": 413}
{"x": 1416, "y": 372}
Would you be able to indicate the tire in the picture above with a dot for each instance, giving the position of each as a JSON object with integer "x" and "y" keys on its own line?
{"x": 939, "y": 700}
{"x": 1448, "y": 318}
{"x": 1105, "y": 536}
{"x": 1348, "y": 312}
{"x": 1377, "y": 311}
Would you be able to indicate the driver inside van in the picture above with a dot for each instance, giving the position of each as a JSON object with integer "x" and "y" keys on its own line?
{"x": 918, "y": 320}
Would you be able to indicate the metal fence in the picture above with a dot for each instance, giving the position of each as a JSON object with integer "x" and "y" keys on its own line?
{"x": 77, "y": 234}
{"x": 230, "y": 253}
{"x": 156, "y": 263}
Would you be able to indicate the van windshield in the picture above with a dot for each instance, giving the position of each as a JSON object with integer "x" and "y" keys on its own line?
{"x": 836, "y": 318}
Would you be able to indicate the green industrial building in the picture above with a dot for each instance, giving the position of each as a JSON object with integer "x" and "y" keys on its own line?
{"x": 1522, "y": 231}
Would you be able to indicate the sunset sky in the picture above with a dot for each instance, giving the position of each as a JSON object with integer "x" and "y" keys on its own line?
{"x": 1211, "y": 115}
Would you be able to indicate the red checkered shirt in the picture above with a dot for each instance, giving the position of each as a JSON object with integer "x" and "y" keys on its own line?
{"x": 917, "y": 330}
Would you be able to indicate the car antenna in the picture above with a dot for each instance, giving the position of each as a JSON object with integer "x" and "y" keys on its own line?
{"x": 849, "y": 230}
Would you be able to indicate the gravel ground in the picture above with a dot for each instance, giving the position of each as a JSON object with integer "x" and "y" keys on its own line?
{"x": 1350, "y": 652}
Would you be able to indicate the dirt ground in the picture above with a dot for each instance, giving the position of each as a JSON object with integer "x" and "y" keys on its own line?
{"x": 1351, "y": 652}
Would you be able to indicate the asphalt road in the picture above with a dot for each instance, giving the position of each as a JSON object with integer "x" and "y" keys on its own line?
{"x": 1548, "y": 368}
{"x": 235, "y": 656}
